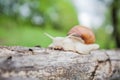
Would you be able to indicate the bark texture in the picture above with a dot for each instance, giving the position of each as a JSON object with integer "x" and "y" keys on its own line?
{"x": 23, "y": 63}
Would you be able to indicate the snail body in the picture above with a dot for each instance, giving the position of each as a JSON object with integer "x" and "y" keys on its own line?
{"x": 79, "y": 39}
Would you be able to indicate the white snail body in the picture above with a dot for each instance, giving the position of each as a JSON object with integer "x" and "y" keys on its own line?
{"x": 85, "y": 49}
{"x": 71, "y": 43}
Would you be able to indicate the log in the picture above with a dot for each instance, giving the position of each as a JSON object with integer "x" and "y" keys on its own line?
{"x": 35, "y": 63}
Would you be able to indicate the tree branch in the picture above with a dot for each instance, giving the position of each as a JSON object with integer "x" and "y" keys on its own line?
{"x": 18, "y": 63}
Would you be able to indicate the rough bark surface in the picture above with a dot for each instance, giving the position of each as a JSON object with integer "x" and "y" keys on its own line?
{"x": 23, "y": 63}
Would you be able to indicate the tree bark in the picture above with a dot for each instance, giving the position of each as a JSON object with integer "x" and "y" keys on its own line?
{"x": 23, "y": 63}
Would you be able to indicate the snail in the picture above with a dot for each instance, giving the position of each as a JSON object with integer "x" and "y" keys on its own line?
{"x": 79, "y": 39}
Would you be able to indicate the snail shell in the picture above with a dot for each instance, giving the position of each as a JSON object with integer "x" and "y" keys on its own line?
{"x": 84, "y": 33}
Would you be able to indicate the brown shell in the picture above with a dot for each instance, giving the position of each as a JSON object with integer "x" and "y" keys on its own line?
{"x": 85, "y": 33}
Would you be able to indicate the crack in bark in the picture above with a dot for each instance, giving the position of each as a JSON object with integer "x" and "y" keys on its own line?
{"x": 110, "y": 64}
{"x": 96, "y": 67}
{"x": 94, "y": 72}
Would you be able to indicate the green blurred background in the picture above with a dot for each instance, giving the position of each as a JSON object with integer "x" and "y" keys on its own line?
{"x": 24, "y": 22}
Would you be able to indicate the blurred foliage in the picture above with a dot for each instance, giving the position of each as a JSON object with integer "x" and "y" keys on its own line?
{"x": 23, "y": 22}
{"x": 60, "y": 14}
